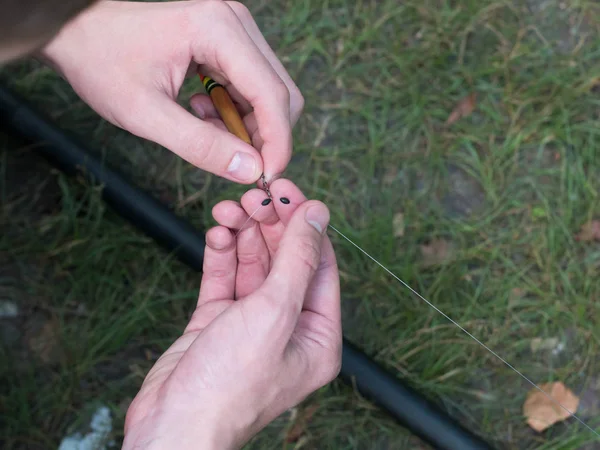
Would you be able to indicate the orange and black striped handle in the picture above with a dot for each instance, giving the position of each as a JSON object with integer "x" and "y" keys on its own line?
{"x": 226, "y": 109}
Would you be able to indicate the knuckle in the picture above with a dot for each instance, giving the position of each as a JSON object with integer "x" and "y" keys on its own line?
{"x": 280, "y": 92}
{"x": 309, "y": 253}
{"x": 240, "y": 10}
{"x": 214, "y": 13}
{"x": 278, "y": 101}
{"x": 297, "y": 99}
{"x": 248, "y": 258}
{"x": 216, "y": 7}
{"x": 326, "y": 265}
{"x": 217, "y": 274}
{"x": 201, "y": 151}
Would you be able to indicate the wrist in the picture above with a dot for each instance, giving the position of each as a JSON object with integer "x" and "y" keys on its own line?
{"x": 50, "y": 53}
{"x": 180, "y": 434}
{"x": 57, "y": 49}
{"x": 184, "y": 429}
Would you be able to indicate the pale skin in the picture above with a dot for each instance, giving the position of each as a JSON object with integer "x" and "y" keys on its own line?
{"x": 267, "y": 330}
{"x": 265, "y": 334}
{"x": 128, "y": 60}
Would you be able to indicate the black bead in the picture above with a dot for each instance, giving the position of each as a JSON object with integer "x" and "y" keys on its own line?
{"x": 266, "y": 201}
{"x": 285, "y": 200}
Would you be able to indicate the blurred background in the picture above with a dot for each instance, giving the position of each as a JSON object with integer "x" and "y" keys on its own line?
{"x": 456, "y": 141}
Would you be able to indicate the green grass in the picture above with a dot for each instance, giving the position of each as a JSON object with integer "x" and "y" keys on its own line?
{"x": 509, "y": 187}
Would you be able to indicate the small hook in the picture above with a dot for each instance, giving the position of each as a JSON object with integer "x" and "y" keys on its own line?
{"x": 266, "y": 185}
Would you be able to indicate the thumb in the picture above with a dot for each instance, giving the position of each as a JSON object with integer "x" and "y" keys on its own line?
{"x": 298, "y": 256}
{"x": 201, "y": 143}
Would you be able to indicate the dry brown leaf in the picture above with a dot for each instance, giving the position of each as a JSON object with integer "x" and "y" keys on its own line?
{"x": 517, "y": 292}
{"x": 299, "y": 427}
{"x": 589, "y": 232}
{"x": 464, "y": 108}
{"x": 390, "y": 176}
{"x": 438, "y": 251}
{"x": 398, "y": 225}
{"x": 43, "y": 340}
{"x": 542, "y": 412}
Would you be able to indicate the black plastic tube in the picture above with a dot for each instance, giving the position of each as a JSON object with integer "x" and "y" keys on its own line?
{"x": 410, "y": 408}
{"x": 137, "y": 206}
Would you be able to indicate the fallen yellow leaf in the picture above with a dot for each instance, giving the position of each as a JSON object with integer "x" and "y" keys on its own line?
{"x": 541, "y": 412}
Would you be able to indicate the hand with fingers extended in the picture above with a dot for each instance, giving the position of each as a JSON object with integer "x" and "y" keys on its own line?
{"x": 265, "y": 334}
{"x": 128, "y": 61}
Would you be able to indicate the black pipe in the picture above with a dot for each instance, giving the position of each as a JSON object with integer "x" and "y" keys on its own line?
{"x": 143, "y": 210}
{"x": 411, "y": 409}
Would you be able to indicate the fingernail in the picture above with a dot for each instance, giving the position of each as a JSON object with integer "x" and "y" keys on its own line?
{"x": 242, "y": 166}
{"x": 318, "y": 217}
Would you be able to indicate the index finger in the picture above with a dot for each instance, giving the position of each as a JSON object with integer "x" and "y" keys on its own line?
{"x": 247, "y": 68}
{"x": 245, "y": 16}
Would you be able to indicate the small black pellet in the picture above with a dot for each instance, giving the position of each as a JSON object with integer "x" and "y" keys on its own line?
{"x": 266, "y": 201}
{"x": 285, "y": 200}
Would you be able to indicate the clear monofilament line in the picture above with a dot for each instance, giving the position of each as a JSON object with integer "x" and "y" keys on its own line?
{"x": 248, "y": 220}
{"x": 552, "y": 399}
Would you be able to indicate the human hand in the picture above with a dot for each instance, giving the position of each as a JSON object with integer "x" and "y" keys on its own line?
{"x": 266, "y": 331}
{"x": 128, "y": 60}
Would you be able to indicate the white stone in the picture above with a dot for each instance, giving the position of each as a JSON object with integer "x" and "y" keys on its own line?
{"x": 101, "y": 426}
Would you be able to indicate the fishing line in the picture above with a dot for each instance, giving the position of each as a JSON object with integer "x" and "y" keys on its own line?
{"x": 552, "y": 399}
{"x": 234, "y": 123}
{"x": 265, "y": 202}
{"x": 248, "y": 219}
